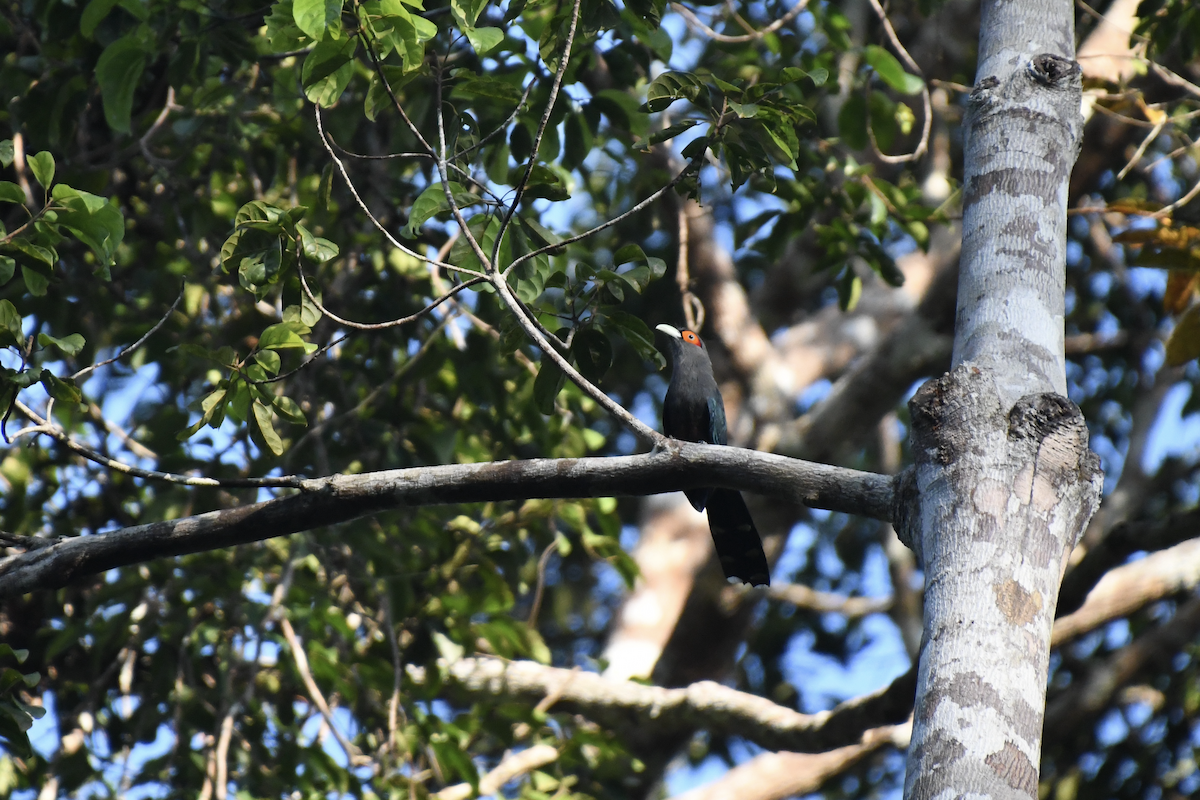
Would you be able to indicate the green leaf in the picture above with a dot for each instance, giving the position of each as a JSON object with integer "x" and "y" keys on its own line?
{"x": 8, "y": 265}
{"x": 484, "y": 40}
{"x": 310, "y": 314}
{"x": 447, "y": 647}
{"x": 310, "y": 17}
{"x": 433, "y": 201}
{"x": 118, "y": 72}
{"x": 543, "y": 182}
{"x": 93, "y": 15}
{"x": 541, "y": 235}
{"x": 285, "y": 336}
{"x": 65, "y": 391}
{"x": 35, "y": 281}
{"x": 466, "y": 12}
{"x": 289, "y": 409}
{"x": 11, "y": 332}
{"x": 6, "y": 152}
{"x": 316, "y": 248}
{"x": 262, "y": 420}
{"x": 852, "y": 121}
{"x": 883, "y": 119}
{"x": 42, "y": 166}
{"x": 377, "y": 100}
{"x": 211, "y": 402}
{"x": 849, "y": 290}
{"x": 45, "y": 255}
{"x": 327, "y": 70}
{"x": 744, "y": 110}
{"x": 408, "y": 36}
{"x": 649, "y": 267}
{"x": 672, "y": 131}
{"x": 484, "y": 228}
{"x": 890, "y": 70}
{"x": 592, "y": 353}
{"x": 671, "y": 86}
{"x": 577, "y": 141}
{"x": 269, "y": 360}
{"x": 488, "y": 86}
{"x": 638, "y": 335}
{"x": 11, "y": 193}
{"x": 547, "y": 385}
{"x": 74, "y": 198}
{"x": 92, "y": 219}
{"x": 71, "y": 345}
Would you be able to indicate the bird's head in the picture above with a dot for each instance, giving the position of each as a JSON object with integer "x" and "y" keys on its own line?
{"x": 683, "y": 337}
{"x": 686, "y": 347}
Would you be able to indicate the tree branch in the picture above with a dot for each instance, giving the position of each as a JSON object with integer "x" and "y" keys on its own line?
{"x": 776, "y": 776}
{"x": 1128, "y": 588}
{"x": 706, "y": 704}
{"x": 340, "y": 498}
{"x": 1123, "y": 541}
{"x": 695, "y": 23}
{"x": 1088, "y": 696}
{"x": 513, "y": 767}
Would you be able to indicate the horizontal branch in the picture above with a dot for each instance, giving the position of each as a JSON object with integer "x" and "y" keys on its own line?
{"x": 1118, "y": 544}
{"x": 1088, "y": 696}
{"x": 1130, "y": 587}
{"x": 779, "y": 775}
{"x": 705, "y": 704}
{"x": 341, "y": 498}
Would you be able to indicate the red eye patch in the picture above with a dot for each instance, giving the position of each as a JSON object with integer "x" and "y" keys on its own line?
{"x": 690, "y": 337}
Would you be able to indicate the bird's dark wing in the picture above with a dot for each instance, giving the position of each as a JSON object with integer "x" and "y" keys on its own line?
{"x": 716, "y": 421}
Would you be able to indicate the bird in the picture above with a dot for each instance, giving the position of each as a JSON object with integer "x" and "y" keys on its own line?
{"x": 693, "y": 411}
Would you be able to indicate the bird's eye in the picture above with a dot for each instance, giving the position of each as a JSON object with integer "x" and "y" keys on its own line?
{"x": 688, "y": 336}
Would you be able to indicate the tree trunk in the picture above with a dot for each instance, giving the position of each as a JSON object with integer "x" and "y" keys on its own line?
{"x": 1003, "y": 481}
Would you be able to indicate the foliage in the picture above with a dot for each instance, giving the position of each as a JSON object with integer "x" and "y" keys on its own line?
{"x": 207, "y": 151}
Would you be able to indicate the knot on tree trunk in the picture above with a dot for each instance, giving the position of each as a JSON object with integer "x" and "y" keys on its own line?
{"x": 1034, "y": 453}
{"x": 1054, "y": 71}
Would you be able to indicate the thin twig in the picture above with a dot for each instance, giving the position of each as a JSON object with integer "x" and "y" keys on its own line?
{"x": 400, "y": 372}
{"x": 285, "y": 375}
{"x": 1141, "y": 150}
{"x": 536, "y": 606}
{"x": 693, "y": 306}
{"x": 26, "y": 543}
{"x": 635, "y": 425}
{"x": 1172, "y": 78}
{"x": 137, "y": 448}
{"x": 1165, "y": 211}
{"x": 378, "y": 64}
{"x": 509, "y": 769}
{"x": 362, "y": 205}
{"x": 144, "y": 142}
{"x": 502, "y": 126}
{"x": 827, "y": 602}
{"x": 691, "y": 166}
{"x": 541, "y": 131}
{"x": 696, "y": 23}
{"x": 926, "y": 101}
{"x": 456, "y": 212}
{"x": 394, "y": 709}
{"x": 379, "y": 326}
{"x": 43, "y": 425}
{"x": 131, "y": 348}
{"x": 353, "y": 754}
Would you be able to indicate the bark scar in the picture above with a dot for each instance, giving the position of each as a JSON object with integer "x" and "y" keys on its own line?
{"x": 1053, "y": 71}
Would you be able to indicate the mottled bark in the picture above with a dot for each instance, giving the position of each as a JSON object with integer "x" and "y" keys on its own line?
{"x": 1003, "y": 482}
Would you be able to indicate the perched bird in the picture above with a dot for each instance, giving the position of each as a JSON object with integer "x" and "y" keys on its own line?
{"x": 694, "y": 412}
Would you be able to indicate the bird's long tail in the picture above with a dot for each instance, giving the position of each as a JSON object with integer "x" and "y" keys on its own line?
{"x": 737, "y": 541}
